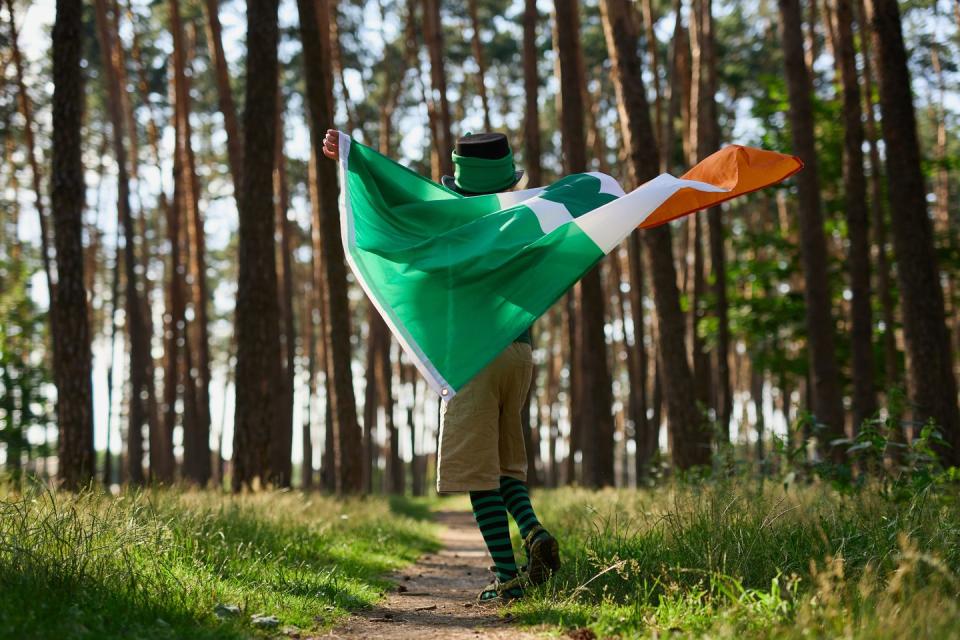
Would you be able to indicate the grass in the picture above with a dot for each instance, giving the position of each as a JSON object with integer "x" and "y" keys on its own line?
{"x": 741, "y": 558}
{"x": 156, "y": 564}
{"x": 744, "y": 559}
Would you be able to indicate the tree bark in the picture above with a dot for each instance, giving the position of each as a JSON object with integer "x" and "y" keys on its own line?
{"x": 146, "y": 255}
{"x": 257, "y": 317}
{"x": 196, "y": 436}
{"x": 858, "y": 220}
{"x": 394, "y": 471}
{"x": 674, "y": 91}
{"x": 309, "y": 347}
{"x": 478, "y": 57}
{"x": 224, "y": 93}
{"x": 891, "y": 354}
{"x": 161, "y": 441}
{"x": 68, "y": 310}
{"x": 433, "y": 35}
{"x": 649, "y": 20}
{"x": 327, "y": 458}
{"x": 283, "y": 437}
{"x": 375, "y": 336}
{"x": 691, "y": 436}
{"x": 383, "y": 368}
{"x": 319, "y": 82}
{"x": 828, "y": 404}
{"x": 141, "y": 363}
{"x": 942, "y": 218}
{"x": 26, "y": 110}
{"x": 932, "y": 385}
{"x": 531, "y": 88}
{"x": 591, "y": 353}
{"x": 644, "y": 441}
{"x": 811, "y": 52}
{"x": 708, "y": 141}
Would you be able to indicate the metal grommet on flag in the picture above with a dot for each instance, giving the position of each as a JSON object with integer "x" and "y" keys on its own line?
{"x": 445, "y": 391}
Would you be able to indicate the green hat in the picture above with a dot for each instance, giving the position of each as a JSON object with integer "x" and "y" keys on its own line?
{"x": 482, "y": 163}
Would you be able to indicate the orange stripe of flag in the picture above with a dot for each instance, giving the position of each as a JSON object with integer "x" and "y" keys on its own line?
{"x": 737, "y": 168}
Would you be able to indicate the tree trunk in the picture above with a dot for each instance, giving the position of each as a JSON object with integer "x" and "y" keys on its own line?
{"x": 257, "y": 317}
{"x": 858, "y": 225}
{"x": 649, "y": 21}
{"x": 828, "y": 405}
{"x": 283, "y": 437}
{"x": 891, "y": 355}
{"x": 337, "y": 336}
{"x": 26, "y": 110}
{"x": 530, "y": 429}
{"x": 161, "y": 441}
{"x": 531, "y": 88}
{"x": 309, "y": 347}
{"x": 478, "y": 57}
{"x": 141, "y": 363}
{"x": 591, "y": 353}
{"x": 376, "y": 328}
{"x": 643, "y": 453}
{"x": 756, "y": 394}
{"x": 327, "y": 458}
{"x": 224, "y": 93}
{"x": 674, "y": 91}
{"x": 811, "y": 50}
{"x": 68, "y": 310}
{"x": 433, "y": 35}
{"x": 691, "y": 436}
{"x": 932, "y": 385}
{"x": 702, "y": 376}
{"x": 196, "y": 436}
{"x": 146, "y": 256}
{"x": 708, "y": 141}
{"x": 336, "y": 57}
{"x": 573, "y": 389}
{"x": 943, "y": 220}
{"x": 394, "y": 481}
{"x": 394, "y": 477}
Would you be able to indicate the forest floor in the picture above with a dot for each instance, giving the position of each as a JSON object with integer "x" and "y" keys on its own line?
{"x": 732, "y": 557}
{"x": 436, "y": 597}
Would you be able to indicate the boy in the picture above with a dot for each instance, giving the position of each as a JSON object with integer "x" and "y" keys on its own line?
{"x": 481, "y": 447}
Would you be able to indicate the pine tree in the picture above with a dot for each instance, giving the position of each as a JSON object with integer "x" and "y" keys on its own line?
{"x": 257, "y": 316}
{"x": 68, "y": 308}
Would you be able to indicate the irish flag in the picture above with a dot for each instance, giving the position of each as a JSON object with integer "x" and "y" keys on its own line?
{"x": 458, "y": 278}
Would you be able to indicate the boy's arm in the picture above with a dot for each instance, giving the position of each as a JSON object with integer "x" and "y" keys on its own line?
{"x": 331, "y": 144}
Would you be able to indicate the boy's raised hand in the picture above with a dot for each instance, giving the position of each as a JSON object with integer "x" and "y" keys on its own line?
{"x": 331, "y": 144}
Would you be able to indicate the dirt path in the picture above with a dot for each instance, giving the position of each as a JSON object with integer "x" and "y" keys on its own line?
{"x": 435, "y": 597}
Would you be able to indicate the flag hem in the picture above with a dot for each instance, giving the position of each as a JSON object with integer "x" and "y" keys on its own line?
{"x": 430, "y": 373}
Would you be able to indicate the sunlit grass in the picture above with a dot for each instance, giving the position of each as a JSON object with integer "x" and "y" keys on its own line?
{"x": 745, "y": 559}
{"x": 156, "y": 564}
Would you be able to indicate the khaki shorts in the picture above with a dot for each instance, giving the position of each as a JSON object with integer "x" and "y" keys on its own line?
{"x": 481, "y": 437}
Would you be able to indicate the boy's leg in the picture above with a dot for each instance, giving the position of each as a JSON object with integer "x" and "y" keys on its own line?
{"x": 542, "y": 549}
{"x": 491, "y": 516}
{"x": 516, "y": 497}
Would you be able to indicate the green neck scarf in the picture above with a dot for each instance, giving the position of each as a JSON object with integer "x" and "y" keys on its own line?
{"x": 482, "y": 175}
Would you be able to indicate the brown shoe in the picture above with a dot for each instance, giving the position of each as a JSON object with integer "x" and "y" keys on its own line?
{"x": 543, "y": 555}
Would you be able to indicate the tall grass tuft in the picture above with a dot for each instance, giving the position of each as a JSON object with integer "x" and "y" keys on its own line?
{"x": 198, "y": 564}
{"x": 742, "y": 558}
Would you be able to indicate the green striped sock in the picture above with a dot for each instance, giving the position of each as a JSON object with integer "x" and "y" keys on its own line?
{"x": 516, "y": 497}
{"x": 491, "y": 516}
